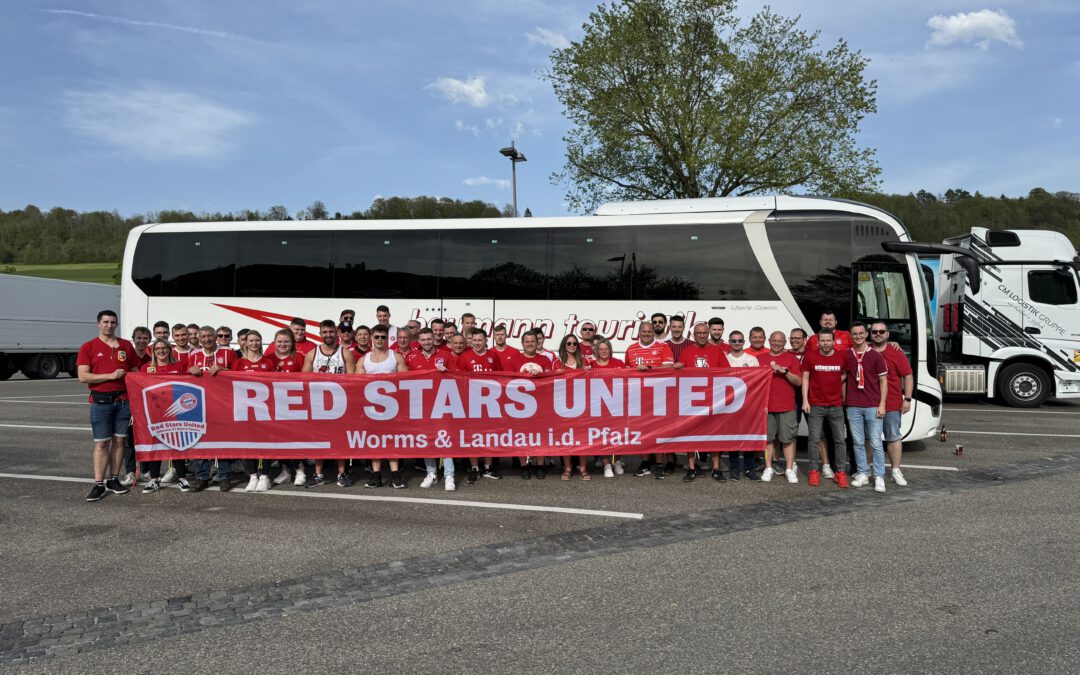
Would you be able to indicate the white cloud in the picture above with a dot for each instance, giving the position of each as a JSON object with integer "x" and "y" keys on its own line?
{"x": 155, "y": 124}
{"x": 978, "y": 28}
{"x": 471, "y": 91}
{"x": 548, "y": 38}
{"x": 484, "y": 180}
{"x": 471, "y": 128}
{"x": 493, "y": 122}
{"x": 1056, "y": 122}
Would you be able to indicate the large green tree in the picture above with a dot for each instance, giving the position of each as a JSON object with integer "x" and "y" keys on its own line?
{"x": 678, "y": 98}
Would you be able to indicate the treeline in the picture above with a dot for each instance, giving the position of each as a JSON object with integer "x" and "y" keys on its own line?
{"x": 33, "y": 236}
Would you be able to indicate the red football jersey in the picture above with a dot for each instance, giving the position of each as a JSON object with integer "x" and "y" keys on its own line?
{"x": 223, "y": 358}
{"x": 168, "y": 368}
{"x": 612, "y": 364}
{"x": 898, "y": 368}
{"x": 417, "y": 360}
{"x": 293, "y": 363}
{"x": 521, "y": 358}
{"x": 471, "y": 361}
{"x": 103, "y": 358}
{"x": 654, "y": 354}
{"x": 266, "y": 364}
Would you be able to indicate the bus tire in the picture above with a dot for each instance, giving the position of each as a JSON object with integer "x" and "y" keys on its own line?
{"x": 47, "y": 368}
{"x": 1023, "y": 385}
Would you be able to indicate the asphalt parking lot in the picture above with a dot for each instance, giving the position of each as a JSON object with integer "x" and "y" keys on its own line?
{"x": 971, "y": 568}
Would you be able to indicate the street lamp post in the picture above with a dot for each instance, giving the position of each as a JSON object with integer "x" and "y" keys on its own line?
{"x": 515, "y": 156}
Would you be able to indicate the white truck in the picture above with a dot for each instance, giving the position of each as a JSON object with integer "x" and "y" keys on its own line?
{"x": 1008, "y": 315}
{"x": 43, "y": 322}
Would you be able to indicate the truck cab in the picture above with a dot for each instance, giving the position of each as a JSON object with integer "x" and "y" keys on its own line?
{"x": 1008, "y": 316}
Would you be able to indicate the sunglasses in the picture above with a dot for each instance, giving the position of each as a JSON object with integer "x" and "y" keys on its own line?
{"x": 378, "y": 337}
{"x": 571, "y": 344}
{"x": 224, "y": 335}
{"x": 658, "y": 323}
{"x": 878, "y": 332}
{"x": 588, "y": 330}
{"x": 737, "y": 342}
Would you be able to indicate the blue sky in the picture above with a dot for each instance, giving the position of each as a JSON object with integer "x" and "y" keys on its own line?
{"x": 220, "y": 106}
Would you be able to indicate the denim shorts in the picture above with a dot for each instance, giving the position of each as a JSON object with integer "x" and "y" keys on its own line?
{"x": 891, "y": 426}
{"x": 110, "y": 419}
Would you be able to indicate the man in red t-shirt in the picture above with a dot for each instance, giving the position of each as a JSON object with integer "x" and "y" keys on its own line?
{"x": 427, "y": 356}
{"x": 102, "y": 364}
{"x": 757, "y": 347}
{"x": 140, "y": 339}
{"x": 823, "y": 401}
{"x": 786, "y": 376}
{"x": 866, "y": 389}
{"x": 841, "y": 338}
{"x": 528, "y": 360}
{"x": 677, "y": 340}
{"x": 701, "y": 354}
{"x": 716, "y": 334}
{"x": 897, "y": 399}
{"x": 505, "y": 351}
{"x": 476, "y": 361}
{"x": 585, "y": 340}
{"x": 648, "y": 353}
{"x": 182, "y": 346}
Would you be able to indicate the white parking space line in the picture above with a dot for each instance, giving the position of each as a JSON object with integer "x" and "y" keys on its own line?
{"x": 19, "y": 400}
{"x": 1006, "y": 410}
{"x": 13, "y": 398}
{"x": 1010, "y": 433}
{"x": 37, "y": 426}
{"x": 372, "y": 498}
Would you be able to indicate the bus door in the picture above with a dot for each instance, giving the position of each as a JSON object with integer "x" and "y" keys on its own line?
{"x": 882, "y": 291}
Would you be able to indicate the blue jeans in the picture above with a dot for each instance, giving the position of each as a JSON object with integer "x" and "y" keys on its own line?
{"x": 866, "y": 426}
{"x": 110, "y": 419}
{"x": 432, "y": 466}
{"x": 202, "y": 469}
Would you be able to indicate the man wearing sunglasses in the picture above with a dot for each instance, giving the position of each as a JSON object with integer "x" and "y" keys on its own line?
{"x": 739, "y": 358}
{"x": 588, "y": 334}
{"x": 898, "y": 398}
{"x": 659, "y": 324}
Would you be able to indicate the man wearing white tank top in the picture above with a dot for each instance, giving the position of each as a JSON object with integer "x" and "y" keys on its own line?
{"x": 382, "y": 360}
{"x": 329, "y": 357}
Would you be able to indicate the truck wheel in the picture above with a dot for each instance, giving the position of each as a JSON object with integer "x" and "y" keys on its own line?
{"x": 48, "y": 367}
{"x": 1023, "y": 385}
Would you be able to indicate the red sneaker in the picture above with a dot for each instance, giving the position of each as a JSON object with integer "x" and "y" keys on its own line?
{"x": 815, "y": 478}
{"x": 841, "y": 479}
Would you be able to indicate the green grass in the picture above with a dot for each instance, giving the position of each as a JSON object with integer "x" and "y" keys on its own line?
{"x": 101, "y": 273}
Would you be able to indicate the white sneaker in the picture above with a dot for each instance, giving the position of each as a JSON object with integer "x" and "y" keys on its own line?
{"x": 767, "y": 474}
{"x": 859, "y": 480}
{"x": 879, "y": 484}
{"x": 301, "y": 478}
{"x": 128, "y": 480}
{"x": 608, "y": 471}
{"x": 792, "y": 475}
{"x": 284, "y": 477}
{"x": 253, "y": 483}
{"x": 429, "y": 480}
{"x": 619, "y": 469}
{"x": 169, "y": 477}
{"x": 450, "y": 486}
{"x": 264, "y": 484}
{"x": 827, "y": 472}
{"x": 898, "y": 477}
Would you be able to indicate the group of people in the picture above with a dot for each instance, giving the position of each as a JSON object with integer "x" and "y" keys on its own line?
{"x": 836, "y": 378}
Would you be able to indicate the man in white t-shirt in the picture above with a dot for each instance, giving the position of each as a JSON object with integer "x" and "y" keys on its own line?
{"x": 739, "y": 358}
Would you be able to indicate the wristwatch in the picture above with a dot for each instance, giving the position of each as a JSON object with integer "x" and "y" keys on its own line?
{"x": 785, "y": 371}
{"x": 907, "y": 399}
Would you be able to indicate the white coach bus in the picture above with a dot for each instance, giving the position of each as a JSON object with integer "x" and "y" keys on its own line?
{"x": 775, "y": 262}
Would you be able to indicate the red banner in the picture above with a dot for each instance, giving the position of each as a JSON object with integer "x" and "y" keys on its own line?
{"x": 430, "y": 414}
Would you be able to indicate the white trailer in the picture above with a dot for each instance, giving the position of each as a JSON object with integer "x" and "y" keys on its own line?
{"x": 1008, "y": 315}
{"x": 43, "y": 322}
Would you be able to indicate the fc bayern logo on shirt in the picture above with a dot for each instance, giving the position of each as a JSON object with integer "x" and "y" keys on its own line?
{"x": 176, "y": 413}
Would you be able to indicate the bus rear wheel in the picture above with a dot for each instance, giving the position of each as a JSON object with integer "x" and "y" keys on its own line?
{"x": 1024, "y": 385}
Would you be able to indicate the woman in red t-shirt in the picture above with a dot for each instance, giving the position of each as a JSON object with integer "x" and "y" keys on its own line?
{"x": 253, "y": 361}
{"x": 571, "y": 359}
{"x": 286, "y": 358}
{"x": 162, "y": 362}
{"x": 603, "y": 360}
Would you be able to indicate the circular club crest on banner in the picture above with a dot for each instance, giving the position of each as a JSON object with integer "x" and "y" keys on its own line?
{"x": 175, "y": 413}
